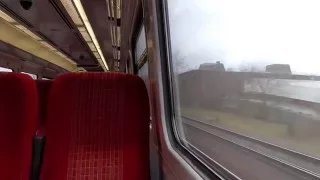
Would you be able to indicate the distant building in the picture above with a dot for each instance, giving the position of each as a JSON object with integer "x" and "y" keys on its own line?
{"x": 218, "y": 66}
{"x": 279, "y": 68}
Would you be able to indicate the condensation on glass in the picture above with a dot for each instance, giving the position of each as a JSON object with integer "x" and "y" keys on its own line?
{"x": 246, "y": 78}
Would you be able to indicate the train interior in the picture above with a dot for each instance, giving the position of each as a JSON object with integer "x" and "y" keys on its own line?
{"x": 159, "y": 89}
{"x": 71, "y": 106}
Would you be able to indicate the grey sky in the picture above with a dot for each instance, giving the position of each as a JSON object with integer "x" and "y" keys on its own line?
{"x": 255, "y": 32}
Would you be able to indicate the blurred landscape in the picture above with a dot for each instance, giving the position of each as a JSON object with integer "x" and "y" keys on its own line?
{"x": 282, "y": 110}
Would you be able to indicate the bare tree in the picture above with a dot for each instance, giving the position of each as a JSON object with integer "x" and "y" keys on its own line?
{"x": 179, "y": 62}
{"x": 257, "y": 85}
{"x": 260, "y": 87}
{"x": 230, "y": 69}
{"x": 249, "y": 68}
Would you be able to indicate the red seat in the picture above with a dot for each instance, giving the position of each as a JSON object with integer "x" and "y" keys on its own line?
{"x": 97, "y": 128}
{"x": 18, "y": 115}
{"x": 43, "y": 87}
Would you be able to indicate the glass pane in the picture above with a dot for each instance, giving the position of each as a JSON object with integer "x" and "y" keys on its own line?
{"x": 247, "y": 84}
{"x": 2, "y": 69}
{"x": 140, "y": 45}
{"x": 143, "y": 73}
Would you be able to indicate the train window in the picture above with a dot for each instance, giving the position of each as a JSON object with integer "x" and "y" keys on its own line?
{"x": 2, "y": 69}
{"x": 31, "y": 75}
{"x": 143, "y": 71}
{"x": 127, "y": 67}
{"x": 140, "y": 47}
{"x": 246, "y": 84}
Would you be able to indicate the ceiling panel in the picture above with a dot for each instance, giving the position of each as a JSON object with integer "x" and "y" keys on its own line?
{"x": 97, "y": 13}
{"x": 45, "y": 18}
{"x": 9, "y": 50}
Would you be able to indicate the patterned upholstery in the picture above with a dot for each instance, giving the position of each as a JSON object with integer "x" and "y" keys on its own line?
{"x": 97, "y": 128}
{"x": 43, "y": 87}
{"x": 18, "y": 115}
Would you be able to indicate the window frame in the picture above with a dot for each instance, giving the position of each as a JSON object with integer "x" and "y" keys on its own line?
{"x": 142, "y": 60}
{"x": 204, "y": 165}
{"x": 138, "y": 63}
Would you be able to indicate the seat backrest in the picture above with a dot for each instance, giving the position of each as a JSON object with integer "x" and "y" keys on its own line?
{"x": 43, "y": 87}
{"x": 97, "y": 128}
{"x": 18, "y": 116}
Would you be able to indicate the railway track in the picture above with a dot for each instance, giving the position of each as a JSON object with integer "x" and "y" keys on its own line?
{"x": 303, "y": 165}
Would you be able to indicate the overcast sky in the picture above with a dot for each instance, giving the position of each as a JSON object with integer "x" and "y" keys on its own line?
{"x": 247, "y": 32}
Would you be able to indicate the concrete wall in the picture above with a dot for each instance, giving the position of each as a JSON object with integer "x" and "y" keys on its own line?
{"x": 224, "y": 91}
